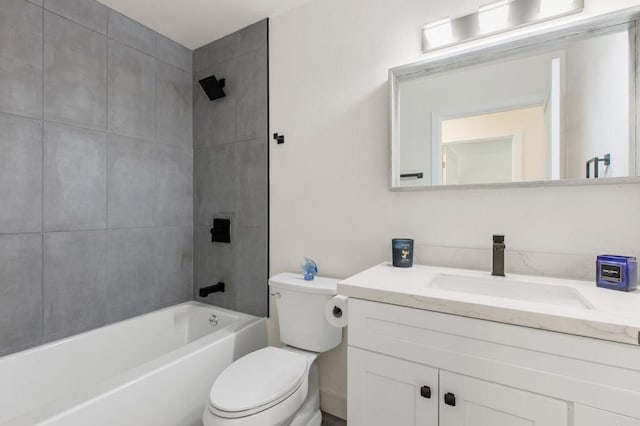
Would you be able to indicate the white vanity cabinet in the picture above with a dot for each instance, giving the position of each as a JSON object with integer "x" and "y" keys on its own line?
{"x": 482, "y": 373}
{"x": 388, "y": 391}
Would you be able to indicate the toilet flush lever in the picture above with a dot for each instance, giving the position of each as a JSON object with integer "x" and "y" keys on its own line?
{"x": 277, "y": 295}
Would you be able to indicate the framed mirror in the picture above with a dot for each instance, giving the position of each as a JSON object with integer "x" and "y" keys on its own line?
{"x": 554, "y": 106}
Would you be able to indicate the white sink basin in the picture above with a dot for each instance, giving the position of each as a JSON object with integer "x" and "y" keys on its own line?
{"x": 505, "y": 288}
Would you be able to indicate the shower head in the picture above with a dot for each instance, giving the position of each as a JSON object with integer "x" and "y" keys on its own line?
{"x": 213, "y": 87}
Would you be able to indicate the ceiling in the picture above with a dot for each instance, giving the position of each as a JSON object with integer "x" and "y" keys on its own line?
{"x": 194, "y": 23}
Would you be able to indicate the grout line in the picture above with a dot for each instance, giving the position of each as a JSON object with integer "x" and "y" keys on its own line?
{"x": 157, "y": 155}
{"x": 107, "y": 273}
{"x": 74, "y": 231}
{"x": 77, "y": 127}
{"x": 42, "y": 196}
{"x": 24, "y": 117}
{"x": 155, "y": 88}
{"x": 257, "y": 138}
{"x": 66, "y": 18}
{"x": 142, "y": 140}
{"x": 192, "y": 294}
{"x": 18, "y": 234}
{"x": 268, "y": 171}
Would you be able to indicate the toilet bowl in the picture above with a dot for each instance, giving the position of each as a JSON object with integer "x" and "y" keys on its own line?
{"x": 280, "y": 386}
{"x": 271, "y": 386}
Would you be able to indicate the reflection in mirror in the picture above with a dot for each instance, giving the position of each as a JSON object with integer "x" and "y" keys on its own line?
{"x": 499, "y": 147}
{"x": 547, "y": 111}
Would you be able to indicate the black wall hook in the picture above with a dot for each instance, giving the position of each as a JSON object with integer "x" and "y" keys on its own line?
{"x": 278, "y": 138}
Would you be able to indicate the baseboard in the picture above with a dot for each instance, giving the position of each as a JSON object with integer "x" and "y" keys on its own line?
{"x": 333, "y": 403}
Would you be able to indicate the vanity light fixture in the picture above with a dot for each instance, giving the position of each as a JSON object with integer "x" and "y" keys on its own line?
{"x": 554, "y": 7}
{"x": 438, "y": 33}
{"x": 494, "y": 18}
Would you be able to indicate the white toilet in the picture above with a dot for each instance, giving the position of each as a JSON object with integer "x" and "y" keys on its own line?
{"x": 279, "y": 386}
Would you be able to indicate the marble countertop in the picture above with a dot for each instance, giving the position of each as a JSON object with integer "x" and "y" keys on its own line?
{"x": 606, "y": 314}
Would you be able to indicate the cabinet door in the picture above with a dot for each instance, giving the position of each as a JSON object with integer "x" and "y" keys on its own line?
{"x": 587, "y": 416}
{"x": 465, "y": 401}
{"x": 385, "y": 391}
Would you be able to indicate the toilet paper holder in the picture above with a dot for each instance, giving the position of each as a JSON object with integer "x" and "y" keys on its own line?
{"x": 337, "y": 312}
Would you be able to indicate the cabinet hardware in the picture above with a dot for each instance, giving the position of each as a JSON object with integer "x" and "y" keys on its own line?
{"x": 450, "y": 399}
{"x": 425, "y": 392}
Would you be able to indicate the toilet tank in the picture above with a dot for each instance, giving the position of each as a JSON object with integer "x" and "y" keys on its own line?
{"x": 301, "y": 306}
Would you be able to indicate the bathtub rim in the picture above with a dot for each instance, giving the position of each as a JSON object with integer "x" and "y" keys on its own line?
{"x": 77, "y": 336}
{"x": 82, "y": 398}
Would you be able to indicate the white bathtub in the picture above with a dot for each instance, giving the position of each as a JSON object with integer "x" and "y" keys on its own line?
{"x": 155, "y": 369}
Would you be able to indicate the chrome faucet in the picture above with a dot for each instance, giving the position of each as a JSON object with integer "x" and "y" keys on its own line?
{"x": 498, "y": 256}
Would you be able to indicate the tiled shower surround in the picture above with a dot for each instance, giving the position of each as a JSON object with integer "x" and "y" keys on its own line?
{"x": 96, "y": 170}
{"x": 231, "y": 141}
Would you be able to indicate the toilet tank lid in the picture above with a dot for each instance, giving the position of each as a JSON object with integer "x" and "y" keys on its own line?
{"x": 296, "y": 282}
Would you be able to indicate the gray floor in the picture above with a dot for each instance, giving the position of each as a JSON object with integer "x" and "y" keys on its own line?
{"x": 329, "y": 420}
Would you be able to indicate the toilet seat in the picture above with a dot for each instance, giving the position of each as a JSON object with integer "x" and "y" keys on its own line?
{"x": 258, "y": 381}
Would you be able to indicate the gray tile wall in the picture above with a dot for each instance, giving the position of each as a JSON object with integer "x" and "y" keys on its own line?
{"x": 96, "y": 170}
{"x": 230, "y": 137}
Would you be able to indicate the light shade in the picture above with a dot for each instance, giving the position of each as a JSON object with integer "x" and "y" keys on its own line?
{"x": 493, "y": 18}
{"x": 438, "y": 33}
{"x": 554, "y": 7}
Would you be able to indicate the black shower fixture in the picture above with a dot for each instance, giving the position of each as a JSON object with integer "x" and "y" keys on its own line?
{"x": 213, "y": 87}
{"x": 221, "y": 231}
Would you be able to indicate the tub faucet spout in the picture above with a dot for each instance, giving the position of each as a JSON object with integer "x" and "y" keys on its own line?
{"x": 205, "y": 291}
{"x": 498, "y": 256}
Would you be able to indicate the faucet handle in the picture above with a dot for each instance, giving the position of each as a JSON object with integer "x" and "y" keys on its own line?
{"x": 498, "y": 239}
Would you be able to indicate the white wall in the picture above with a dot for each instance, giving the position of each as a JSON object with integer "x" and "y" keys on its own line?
{"x": 329, "y": 181}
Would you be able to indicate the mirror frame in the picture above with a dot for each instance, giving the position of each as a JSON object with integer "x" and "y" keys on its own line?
{"x": 553, "y": 37}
